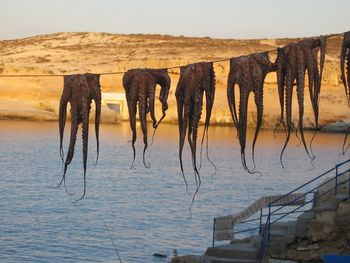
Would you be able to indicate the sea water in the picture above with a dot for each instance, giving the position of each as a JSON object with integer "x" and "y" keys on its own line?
{"x": 144, "y": 211}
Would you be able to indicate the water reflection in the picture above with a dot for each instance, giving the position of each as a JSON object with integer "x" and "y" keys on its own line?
{"x": 146, "y": 210}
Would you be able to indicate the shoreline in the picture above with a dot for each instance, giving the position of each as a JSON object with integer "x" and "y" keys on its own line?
{"x": 46, "y": 116}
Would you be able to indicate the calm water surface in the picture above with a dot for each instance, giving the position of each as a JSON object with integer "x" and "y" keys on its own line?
{"x": 145, "y": 210}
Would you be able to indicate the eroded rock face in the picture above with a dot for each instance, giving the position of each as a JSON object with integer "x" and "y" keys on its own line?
{"x": 342, "y": 220}
{"x": 325, "y": 193}
{"x": 323, "y": 227}
{"x": 328, "y": 232}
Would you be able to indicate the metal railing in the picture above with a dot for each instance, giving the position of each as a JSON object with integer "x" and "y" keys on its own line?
{"x": 276, "y": 212}
{"x": 271, "y": 216}
{"x": 257, "y": 206}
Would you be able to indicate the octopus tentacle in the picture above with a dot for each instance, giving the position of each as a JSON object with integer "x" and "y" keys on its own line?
{"x": 344, "y": 64}
{"x": 320, "y": 44}
{"x": 183, "y": 127}
{"x": 152, "y": 113}
{"x": 300, "y": 94}
{"x": 132, "y": 104}
{"x": 209, "y": 98}
{"x": 301, "y": 57}
{"x": 195, "y": 79}
{"x": 151, "y": 92}
{"x": 345, "y": 149}
{"x": 162, "y": 78}
{"x": 157, "y": 124}
{"x": 348, "y": 73}
{"x": 343, "y": 56}
{"x": 73, "y": 138}
{"x": 311, "y": 48}
{"x": 180, "y": 98}
{"x": 94, "y": 84}
{"x": 66, "y": 94}
{"x": 190, "y": 139}
{"x": 85, "y": 137}
{"x": 296, "y": 133}
{"x": 139, "y": 86}
{"x": 348, "y": 70}
{"x": 143, "y": 121}
{"x": 314, "y": 86}
{"x": 260, "y": 65}
{"x": 281, "y": 76}
{"x": 310, "y": 66}
{"x": 231, "y": 82}
{"x": 196, "y": 113}
{"x": 243, "y": 108}
{"x": 231, "y": 103}
{"x": 79, "y": 91}
{"x": 194, "y": 117}
{"x": 164, "y": 81}
{"x": 258, "y": 97}
{"x": 97, "y": 125}
{"x": 249, "y": 73}
{"x": 288, "y": 101}
{"x": 345, "y": 77}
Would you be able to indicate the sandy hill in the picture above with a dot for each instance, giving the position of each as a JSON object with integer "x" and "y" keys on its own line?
{"x": 65, "y": 53}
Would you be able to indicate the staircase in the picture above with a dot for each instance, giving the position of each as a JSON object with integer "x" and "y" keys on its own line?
{"x": 248, "y": 249}
{"x": 279, "y": 228}
{"x": 245, "y": 251}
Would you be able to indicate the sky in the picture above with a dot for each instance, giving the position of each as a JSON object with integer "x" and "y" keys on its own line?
{"x": 240, "y": 19}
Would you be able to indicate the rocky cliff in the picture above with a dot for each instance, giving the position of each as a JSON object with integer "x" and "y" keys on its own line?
{"x": 65, "y": 53}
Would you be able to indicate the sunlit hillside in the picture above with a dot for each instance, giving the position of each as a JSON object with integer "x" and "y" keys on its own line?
{"x": 66, "y": 53}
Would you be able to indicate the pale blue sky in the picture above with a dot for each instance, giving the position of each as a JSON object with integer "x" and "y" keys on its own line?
{"x": 214, "y": 18}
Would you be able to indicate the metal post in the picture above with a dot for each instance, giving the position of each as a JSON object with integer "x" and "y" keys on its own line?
{"x": 269, "y": 223}
{"x": 336, "y": 180}
{"x": 349, "y": 187}
{"x": 314, "y": 203}
{"x": 260, "y": 220}
{"x": 214, "y": 233}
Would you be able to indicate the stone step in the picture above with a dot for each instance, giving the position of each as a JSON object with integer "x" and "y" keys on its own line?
{"x": 281, "y": 240}
{"x": 331, "y": 205}
{"x": 278, "y": 226}
{"x": 241, "y": 240}
{"x": 308, "y": 215}
{"x": 272, "y": 260}
{"x": 292, "y": 227}
{"x": 234, "y": 251}
{"x": 228, "y": 260}
{"x": 303, "y": 222}
{"x": 255, "y": 241}
{"x": 282, "y": 228}
{"x": 341, "y": 197}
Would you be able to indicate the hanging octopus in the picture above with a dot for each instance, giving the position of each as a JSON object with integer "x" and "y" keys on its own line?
{"x": 140, "y": 86}
{"x": 345, "y": 67}
{"x": 249, "y": 73}
{"x": 79, "y": 91}
{"x": 292, "y": 62}
{"x": 195, "y": 79}
{"x": 345, "y": 64}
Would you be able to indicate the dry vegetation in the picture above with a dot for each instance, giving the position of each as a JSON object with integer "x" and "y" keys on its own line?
{"x": 65, "y": 53}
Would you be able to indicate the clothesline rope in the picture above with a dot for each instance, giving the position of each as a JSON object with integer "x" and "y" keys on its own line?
{"x": 123, "y": 72}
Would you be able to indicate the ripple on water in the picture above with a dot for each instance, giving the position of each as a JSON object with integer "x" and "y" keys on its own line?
{"x": 146, "y": 210}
